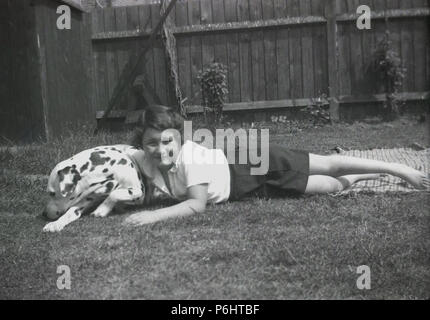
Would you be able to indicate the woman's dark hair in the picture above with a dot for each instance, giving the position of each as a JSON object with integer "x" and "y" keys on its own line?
{"x": 157, "y": 117}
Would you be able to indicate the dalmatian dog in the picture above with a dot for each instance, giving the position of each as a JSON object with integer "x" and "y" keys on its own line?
{"x": 95, "y": 179}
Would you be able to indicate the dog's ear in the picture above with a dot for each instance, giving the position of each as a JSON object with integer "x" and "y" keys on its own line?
{"x": 68, "y": 179}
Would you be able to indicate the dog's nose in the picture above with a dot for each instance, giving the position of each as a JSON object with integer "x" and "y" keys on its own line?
{"x": 46, "y": 215}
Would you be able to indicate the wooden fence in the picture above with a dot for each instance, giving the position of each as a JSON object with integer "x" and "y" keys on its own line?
{"x": 280, "y": 51}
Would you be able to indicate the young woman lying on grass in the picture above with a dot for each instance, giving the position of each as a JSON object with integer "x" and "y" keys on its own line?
{"x": 195, "y": 175}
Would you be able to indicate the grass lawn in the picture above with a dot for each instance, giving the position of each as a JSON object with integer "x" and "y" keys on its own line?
{"x": 299, "y": 248}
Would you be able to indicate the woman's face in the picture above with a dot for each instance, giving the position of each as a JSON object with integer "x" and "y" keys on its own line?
{"x": 162, "y": 146}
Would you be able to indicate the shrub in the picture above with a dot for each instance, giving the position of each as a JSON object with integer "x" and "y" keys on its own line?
{"x": 389, "y": 71}
{"x": 213, "y": 82}
{"x": 319, "y": 113}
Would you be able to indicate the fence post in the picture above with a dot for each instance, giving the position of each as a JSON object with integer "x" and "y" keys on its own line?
{"x": 172, "y": 60}
{"x": 331, "y": 11}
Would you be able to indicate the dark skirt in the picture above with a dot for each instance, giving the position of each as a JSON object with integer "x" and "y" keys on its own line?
{"x": 287, "y": 175}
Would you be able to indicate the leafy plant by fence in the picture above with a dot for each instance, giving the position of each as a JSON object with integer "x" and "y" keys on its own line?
{"x": 213, "y": 81}
{"x": 388, "y": 68}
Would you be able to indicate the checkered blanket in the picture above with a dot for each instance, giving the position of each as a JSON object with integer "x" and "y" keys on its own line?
{"x": 416, "y": 159}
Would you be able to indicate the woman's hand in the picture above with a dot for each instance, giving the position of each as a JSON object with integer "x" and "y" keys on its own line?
{"x": 196, "y": 203}
{"x": 141, "y": 218}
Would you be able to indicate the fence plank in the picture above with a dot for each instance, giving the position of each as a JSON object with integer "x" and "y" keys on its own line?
{"x": 111, "y": 59}
{"x": 379, "y": 5}
{"x": 220, "y": 40}
{"x": 159, "y": 59}
{"x": 282, "y": 53}
{"x": 195, "y": 52}
{"x": 294, "y": 103}
{"x": 395, "y": 27}
{"x": 421, "y": 36}
{"x": 280, "y": 8}
{"x": 283, "y": 65}
{"x": 379, "y": 28}
{"x": 295, "y": 53}
{"x": 85, "y": 55}
{"x": 331, "y": 9}
{"x": 133, "y": 24}
{"x": 319, "y": 41}
{"x": 269, "y": 53}
{"x": 256, "y": 25}
{"x": 270, "y": 67}
{"x": 96, "y": 17}
{"x": 427, "y": 80}
{"x": 393, "y": 4}
{"x": 259, "y": 105}
{"x": 39, "y": 13}
{"x": 307, "y": 52}
{"x": 420, "y": 3}
{"x": 132, "y": 18}
{"x": 245, "y": 53}
{"x": 122, "y": 49}
{"x": 368, "y": 46}
{"x": 206, "y": 11}
{"x": 268, "y": 8}
{"x": 357, "y": 65}
{"x": 78, "y": 58}
{"x": 317, "y": 7}
{"x": 257, "y": 54}
{"x": 52, "y": 52}
{"x": 233, "y": 68}
{"x": 356, "y": 54}
{"x": 232, "y": 39}
{"x": 407, "y": 48}
{"x": 174, "y": 98}
{"x": 422, "y": 50}
{"x": 342, "y": 6}
{"x": 356, "y": 50}
{"x": 145, "y": 23}
{"x": 183, "y": 49}
{"x": 208, "y": 54}
{"x": 193, "y": 12}
{"x": 99, "y": 56}
{"x": 344, "y": 60}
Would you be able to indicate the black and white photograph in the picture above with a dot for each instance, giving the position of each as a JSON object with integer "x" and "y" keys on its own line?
{"x": 214, "y": 150}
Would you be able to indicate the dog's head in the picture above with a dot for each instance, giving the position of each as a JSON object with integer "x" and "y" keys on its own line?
{"x": 61, "y": 187}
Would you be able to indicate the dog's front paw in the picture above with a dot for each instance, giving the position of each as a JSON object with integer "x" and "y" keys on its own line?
{"x": 101, "y": 212}
{"x": 53, "y": 227}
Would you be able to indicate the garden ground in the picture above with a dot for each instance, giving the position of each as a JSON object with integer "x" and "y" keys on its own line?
{"x": 298, "y": 248}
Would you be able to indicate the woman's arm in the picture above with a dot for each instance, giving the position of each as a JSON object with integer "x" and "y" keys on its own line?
{"x": 196, "y": 203}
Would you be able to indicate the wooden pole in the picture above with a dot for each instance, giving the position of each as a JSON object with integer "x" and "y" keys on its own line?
{"x": 170, "y": 48}
{"x": 130, "y": 70}
{"x": 331, "y": 11}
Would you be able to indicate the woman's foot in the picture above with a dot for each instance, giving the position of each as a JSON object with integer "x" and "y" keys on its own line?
{"x": 416, "y": 178}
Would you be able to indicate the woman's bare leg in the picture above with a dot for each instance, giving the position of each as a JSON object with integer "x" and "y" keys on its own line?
{"x": 336, "y": 166}
{"x": 326, "y": 184}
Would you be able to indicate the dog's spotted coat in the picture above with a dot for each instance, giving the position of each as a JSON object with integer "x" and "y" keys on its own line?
{"x": 98, "y": 179}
